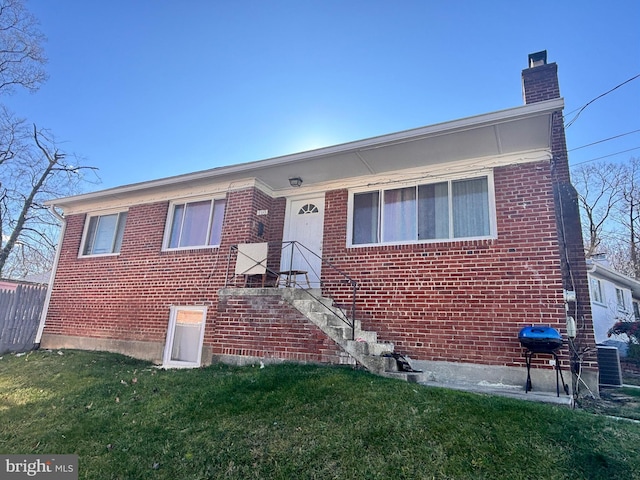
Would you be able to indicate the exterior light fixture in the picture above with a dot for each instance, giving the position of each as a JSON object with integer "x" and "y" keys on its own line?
{"x": 295, "y": 181}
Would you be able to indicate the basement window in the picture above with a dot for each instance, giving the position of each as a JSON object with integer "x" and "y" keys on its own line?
{"x": 195, "y": 224}
{"x": 447, "y": 210}
{"x": 103, "y": 234}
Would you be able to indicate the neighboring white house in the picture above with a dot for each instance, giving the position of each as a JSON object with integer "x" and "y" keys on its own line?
{"x": 614, "y": 297}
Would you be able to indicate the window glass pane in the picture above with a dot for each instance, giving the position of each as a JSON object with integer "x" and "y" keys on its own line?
{"x": 596, "y": 293}
{"x": 470, "y": 208}
{"x": 103, "y": 242}
{"x": 365, "y": 218}
{"x": 399, "y": 215}
{"x": 433, "y": 211}
{"x": 91, "y": 235}
{"x": 122, "y": 219}
{"x": 620, "y": 297}
{"x": 186, "y": 337}
{"x": 178, "y": 212}
{"x": 216, "y": 222}
{"x": 196, "y": 222}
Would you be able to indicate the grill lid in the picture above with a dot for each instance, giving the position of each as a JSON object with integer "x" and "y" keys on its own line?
{"x": 540, "y": 338}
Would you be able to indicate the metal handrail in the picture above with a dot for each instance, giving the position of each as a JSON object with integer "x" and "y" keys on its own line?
{"x": 304, "y": 251}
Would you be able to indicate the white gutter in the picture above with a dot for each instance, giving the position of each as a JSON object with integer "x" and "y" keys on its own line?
{"x": 45, "y": 308}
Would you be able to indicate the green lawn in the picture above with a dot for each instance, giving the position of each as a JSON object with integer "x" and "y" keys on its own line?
{"x": 128, "y": 420}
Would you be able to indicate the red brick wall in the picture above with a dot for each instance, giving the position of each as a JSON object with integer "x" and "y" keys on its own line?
{"x": 267, "y": 326}
{"x": 462, "y": 301}
{"x": 128, "y": 296}
{"x": 455, "y": 301}
{"x": 540, "y": 84}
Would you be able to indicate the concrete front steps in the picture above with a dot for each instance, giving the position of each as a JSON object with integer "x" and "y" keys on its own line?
{"x": 365, "y": 349}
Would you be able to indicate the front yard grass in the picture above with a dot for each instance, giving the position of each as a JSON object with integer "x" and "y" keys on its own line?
{"x": 129, "y": 420}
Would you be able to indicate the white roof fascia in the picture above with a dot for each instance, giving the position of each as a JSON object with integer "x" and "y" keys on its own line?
{"x": 494, "y": 118}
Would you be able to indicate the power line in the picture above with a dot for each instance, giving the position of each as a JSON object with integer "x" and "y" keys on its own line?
{"x": 606, "y": 156}
{"x": 581, "y": 109}
{"x": 604, "y": 140}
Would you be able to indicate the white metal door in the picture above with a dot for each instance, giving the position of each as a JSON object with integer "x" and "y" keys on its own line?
{"x": 305, "y": 220}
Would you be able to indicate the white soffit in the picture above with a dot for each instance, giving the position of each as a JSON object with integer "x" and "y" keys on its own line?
{"x": 505, "y": 132}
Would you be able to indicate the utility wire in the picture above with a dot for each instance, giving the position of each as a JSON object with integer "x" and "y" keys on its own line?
{"x": 581, "y": 109}
{"x": 604, "y": 140}
{"x": 606, "y": 156}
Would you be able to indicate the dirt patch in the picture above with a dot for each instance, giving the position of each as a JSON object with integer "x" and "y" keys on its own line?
{"x": 617, "y": 402}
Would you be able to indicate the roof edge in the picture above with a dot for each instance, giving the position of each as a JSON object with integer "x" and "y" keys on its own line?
{"x": 632, "y": 283}
{"x": 462, "y": 124}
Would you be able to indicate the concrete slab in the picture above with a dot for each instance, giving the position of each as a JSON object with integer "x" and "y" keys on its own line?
{"x": 507, "y": 391}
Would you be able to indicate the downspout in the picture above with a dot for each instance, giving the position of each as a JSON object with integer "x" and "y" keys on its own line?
{"x": 54, "y": 269}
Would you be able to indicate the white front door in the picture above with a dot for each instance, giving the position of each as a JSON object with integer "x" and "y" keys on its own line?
{"x": 304, "y": 224}
{"x": 184, "y": 337}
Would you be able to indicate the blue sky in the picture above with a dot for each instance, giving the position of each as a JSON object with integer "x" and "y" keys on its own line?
{"x": 144, "y": 89}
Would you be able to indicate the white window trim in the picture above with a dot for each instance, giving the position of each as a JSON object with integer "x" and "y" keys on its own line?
{"x": 624, "y": 307}
{"x": 166, "y": 357}
{"x": 85, "y": 231}
{"x": 181, "y": 201}
{"x": 493, "y": 229}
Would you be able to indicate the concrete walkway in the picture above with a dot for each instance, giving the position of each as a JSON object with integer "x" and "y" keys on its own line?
{"x": 508, "y": 391}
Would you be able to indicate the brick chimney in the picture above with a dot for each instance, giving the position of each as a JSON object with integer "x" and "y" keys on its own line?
{"x": 540, "y": 80}
{"x": 540, "y": 83}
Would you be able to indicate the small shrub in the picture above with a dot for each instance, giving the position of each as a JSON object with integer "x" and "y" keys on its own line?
{"x": 632, "y": 331}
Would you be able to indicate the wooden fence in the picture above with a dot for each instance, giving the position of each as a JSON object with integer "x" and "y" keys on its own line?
{"x": 19, "y": 317}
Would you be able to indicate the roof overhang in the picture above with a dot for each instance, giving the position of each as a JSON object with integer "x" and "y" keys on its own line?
{"x": 602, "y": 271}
{"x": 502, "y": 133}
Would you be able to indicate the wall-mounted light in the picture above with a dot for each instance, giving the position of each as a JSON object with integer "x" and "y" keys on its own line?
{"x": 295, "y": 181}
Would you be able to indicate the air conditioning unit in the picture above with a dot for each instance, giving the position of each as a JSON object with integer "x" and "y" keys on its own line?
{"x": 609, "y": 366}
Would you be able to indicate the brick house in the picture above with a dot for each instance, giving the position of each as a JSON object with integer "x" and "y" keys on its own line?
{"x": 442, "y": 242}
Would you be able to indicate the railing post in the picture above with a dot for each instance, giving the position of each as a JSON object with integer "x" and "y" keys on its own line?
{"x": 290, "y": 269}
{"x": 353, "y": 310}
{"x": 226, "y": 275}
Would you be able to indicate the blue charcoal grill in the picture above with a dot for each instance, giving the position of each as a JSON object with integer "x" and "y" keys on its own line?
{"x": 546, "y": 340}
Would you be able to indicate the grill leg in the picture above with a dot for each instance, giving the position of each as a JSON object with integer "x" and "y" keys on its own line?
{"x": 565, "y": 387}
{"x": 527, "y": 359}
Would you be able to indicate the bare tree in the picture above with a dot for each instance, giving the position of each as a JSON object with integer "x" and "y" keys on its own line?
{"x": 33, "y": 170}
{"x": 32, "y": 167}
{"x": 629, "y": 213}
{"x": 599, "y": 188}
{"x": 609, "y": 197}
{"x": 22, "y": 56}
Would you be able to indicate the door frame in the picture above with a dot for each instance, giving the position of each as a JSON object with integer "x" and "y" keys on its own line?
{"x": 321, "y": 197}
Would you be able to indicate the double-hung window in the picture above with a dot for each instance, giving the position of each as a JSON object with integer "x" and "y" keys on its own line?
{"x": 445, "y": 210}
{"x": 195, "y": 223}
{"x": 103, "y": 234}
